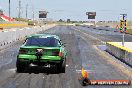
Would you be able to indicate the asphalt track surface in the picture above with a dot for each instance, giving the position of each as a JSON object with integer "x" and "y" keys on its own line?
{"x": 81, "y": 52}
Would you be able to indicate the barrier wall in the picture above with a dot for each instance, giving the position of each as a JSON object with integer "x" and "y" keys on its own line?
{"x": 8, "y": 37}
{"x": 122, "y": 53}
{"x": 4, "y": 24}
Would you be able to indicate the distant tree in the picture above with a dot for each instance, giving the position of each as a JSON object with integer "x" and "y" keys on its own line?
{"x": 68, "y": 20}
{"x": 60, "y": 20}
{"x": 1, "y": 12}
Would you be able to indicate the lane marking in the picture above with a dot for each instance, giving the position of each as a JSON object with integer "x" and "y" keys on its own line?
{"x": 89, "y": 35}
{"x": 12, "y": 70}
{"x": 89, "y": 71}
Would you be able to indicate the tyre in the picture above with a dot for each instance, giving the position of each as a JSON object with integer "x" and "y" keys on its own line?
{"x": 61, "y": 67}
{"x": 20, "y": 67}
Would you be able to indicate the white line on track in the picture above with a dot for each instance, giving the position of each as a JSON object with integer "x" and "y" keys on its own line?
{"x": 89, "y": 71}
{"x": 89, "y": 35}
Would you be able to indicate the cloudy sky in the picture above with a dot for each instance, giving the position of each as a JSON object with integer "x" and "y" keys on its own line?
{"x": 71, "y": 9}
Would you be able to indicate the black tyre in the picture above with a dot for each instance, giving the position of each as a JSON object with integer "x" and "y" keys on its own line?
{"x": 61, "y": 67}
{"x": 20, "y": 67}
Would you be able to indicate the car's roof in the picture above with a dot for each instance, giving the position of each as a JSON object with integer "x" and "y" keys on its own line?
{"x": 43, "y": 36}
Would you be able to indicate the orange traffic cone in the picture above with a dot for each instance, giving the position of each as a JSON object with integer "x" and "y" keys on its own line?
{"x": 85, "y": 80}
{"x": 84, "y": 73}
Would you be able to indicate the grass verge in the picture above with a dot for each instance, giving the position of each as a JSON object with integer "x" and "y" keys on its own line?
{"x": 130, "y": 31}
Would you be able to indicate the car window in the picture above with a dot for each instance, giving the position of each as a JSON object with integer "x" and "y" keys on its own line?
{"x": 47, "y": 42}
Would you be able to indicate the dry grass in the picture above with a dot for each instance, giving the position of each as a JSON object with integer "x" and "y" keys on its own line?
{"x": 130, "y": 31}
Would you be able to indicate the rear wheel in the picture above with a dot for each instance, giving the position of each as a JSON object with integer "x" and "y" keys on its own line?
{"x": 62, "y": 66}
{"x": 20, "y": 66}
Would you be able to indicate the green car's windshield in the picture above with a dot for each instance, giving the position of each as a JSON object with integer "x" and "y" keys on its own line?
{"x": 46, "y": 42}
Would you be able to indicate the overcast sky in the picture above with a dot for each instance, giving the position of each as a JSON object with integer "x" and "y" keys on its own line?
{"x": 72, "y": 9}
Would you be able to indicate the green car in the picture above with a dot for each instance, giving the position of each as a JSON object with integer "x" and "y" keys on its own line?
{"x": 42, "y": 50}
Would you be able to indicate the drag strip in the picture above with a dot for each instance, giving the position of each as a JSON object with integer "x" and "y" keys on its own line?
{"x": 80, "y": 53}
{"x": 10, "y": 79}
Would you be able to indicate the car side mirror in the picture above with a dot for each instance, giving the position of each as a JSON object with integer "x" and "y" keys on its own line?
{"x": 24, "y": 41}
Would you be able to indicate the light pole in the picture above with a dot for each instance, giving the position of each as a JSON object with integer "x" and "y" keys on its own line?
{"x": 26, "y": 11}
{"x": 19, "y": 9}
{"x": 123, "y": 23}
{"x": 9, "y": 8}
{"x": 33, "y": 13}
